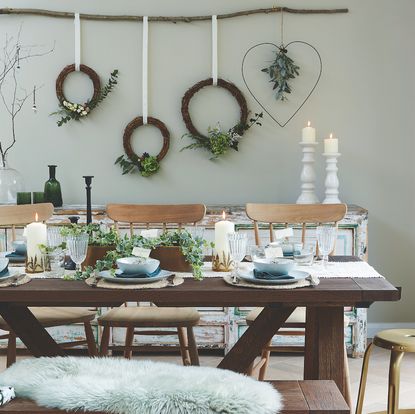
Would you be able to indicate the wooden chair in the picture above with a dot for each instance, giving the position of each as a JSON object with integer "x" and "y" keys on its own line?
{"x": 18, "y": 216}
{"x": 132, "y": 317}
{"x": 304, "y": 214}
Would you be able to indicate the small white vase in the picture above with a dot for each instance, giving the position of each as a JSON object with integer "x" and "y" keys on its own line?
{"x": 11, "y": 182}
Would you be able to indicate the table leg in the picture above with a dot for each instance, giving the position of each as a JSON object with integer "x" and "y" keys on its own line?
{"x": 324, "y": 345}
{"x": 251, "y": 343}
{"x": 30, "y": 331}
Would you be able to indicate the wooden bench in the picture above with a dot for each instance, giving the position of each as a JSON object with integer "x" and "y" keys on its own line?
{"x": 300, "y": 397}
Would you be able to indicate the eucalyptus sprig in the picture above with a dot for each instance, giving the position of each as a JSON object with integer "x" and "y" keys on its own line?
{"x": 70, "y": 110}
{"x": 146, "y": 165}
{"x": 281, "y": 71}
{"x": 218, "y": 142}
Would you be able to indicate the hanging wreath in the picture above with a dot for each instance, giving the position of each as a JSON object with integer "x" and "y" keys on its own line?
{"x": 145, "y": 164}
{"x": 217, "y": 141}
{"x": 71, "y": 110}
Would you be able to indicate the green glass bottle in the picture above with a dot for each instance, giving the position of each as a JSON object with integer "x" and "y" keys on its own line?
{"x": 53, "y": 192}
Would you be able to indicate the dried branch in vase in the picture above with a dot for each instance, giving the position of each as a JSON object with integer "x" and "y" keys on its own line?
{"x": 13, "y": 59}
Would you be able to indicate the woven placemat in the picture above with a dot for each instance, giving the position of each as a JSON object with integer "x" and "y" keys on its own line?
{"x": 155, "y": 285}
{"x": 241, "y": 283}
{"x": 12, "y": 282}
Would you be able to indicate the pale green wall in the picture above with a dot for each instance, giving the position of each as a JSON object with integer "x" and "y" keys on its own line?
{"x": 366, "y": 96}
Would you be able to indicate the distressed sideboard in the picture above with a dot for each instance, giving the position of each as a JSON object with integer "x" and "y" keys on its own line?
{"x": 221, "y": 327}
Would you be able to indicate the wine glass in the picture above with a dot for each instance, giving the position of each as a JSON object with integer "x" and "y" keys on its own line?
{"x": 77, "y": 248}
{"x": 326, "y": 236}
{"x": 55, "y": 238}
{"x": 237, "y": 248}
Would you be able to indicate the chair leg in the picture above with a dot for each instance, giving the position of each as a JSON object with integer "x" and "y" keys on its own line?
{"x": 265, "y": 355}
{"x": 363, "y": 379}
{"x": 348, "y": 396}
{"x": 92, "y": 347}
{"x": 11, "y": 349}
{"x": 129, "y": 336}
{"x": 194, "y": 355}
{"x": 184, "y": 346}
{"x": 394, "y": 374}
{"x": 105, "y": 340}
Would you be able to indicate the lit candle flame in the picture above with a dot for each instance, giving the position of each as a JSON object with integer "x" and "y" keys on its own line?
{"x": 36, "y": 217}
{"x": 224, "y": 215}
{"x": 331, "y": 136}
{"x": 308, "y": 123}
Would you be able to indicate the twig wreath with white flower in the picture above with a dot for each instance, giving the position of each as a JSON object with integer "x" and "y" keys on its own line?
{"x": 71, "y": 110}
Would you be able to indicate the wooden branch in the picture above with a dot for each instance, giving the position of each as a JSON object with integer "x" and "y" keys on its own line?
{"x": 173, "y": 19}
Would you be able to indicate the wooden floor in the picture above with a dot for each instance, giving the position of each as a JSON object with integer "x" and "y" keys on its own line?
{"x": 290, "y": 367}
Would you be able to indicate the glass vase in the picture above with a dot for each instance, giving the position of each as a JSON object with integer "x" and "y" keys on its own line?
{"x": 11, "y": 182}
{"x": 53, "y": 193}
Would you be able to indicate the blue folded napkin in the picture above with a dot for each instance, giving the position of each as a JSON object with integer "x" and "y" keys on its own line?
{"x": 138, "y": 275}
{"x": 271, "y": 276}
{"x": 5, "y": 271}
{"x": 15, "y": 255}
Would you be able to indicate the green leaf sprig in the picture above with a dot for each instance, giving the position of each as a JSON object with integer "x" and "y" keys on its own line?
{"x": 147, "y": 165}
{"x": 281, "y": 71}
{"x": 70, "y": 110}
{"x": 218, "y": 142}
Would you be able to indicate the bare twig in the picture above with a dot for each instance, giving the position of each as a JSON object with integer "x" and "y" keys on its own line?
{"x": 14, "y": 97}
{"x": 174, "y": 19}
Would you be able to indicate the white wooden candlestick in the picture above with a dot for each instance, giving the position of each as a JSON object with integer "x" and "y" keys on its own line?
{"x": 332, "y": 181}
{"x": 308, "y": 176}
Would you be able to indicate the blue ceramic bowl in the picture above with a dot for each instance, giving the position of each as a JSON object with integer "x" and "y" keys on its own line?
{"x": 134, "y": 265}
{"x": 274, "y": 266}
{"x": 19, "y": 247}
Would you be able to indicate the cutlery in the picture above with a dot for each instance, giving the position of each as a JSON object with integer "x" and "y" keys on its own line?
{"x": 16, "y": 279}
{"x": 235, "y": 279}
{"x": 97, "y": 278}
{"x": 170, "y": 280}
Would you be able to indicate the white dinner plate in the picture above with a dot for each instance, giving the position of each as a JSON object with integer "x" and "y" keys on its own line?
{"x": 107, "y": 275}
{"x": 248, "y": 276}
{"x": 10, "y": 274}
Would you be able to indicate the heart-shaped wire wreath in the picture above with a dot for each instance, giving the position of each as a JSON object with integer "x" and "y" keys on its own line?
{"x": 282, "y": 124}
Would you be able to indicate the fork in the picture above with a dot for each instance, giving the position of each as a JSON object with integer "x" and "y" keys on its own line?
{"x": 170, "y": 280}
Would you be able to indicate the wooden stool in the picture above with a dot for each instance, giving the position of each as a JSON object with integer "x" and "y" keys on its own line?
{"x": 398, "y": 341}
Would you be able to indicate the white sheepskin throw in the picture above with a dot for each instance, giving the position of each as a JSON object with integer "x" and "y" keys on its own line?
{"x": 120, "y": 386}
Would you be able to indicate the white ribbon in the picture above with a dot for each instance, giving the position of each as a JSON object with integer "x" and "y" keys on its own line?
{"x": 215, "y": 49}
{"x": 77, "y": 23}
{"x": 145, "y": 69}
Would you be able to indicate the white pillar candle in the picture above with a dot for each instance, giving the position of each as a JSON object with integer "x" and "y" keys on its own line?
{"x": 222, "y": 229}
{"x": 36, "y": 234}
{"x": 309, "y": 134}
{"x": 331, "y": 145}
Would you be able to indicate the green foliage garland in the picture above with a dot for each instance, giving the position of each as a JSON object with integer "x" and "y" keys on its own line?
{"x": 191, "y": 247}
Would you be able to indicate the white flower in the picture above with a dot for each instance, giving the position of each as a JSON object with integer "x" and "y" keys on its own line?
{"x": 83, "y": 113}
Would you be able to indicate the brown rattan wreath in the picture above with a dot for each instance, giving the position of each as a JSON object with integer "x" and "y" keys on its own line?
{"x": 83, "y": 68}
{"x": 138, "y": 122}
{"x": 233, "y": 90}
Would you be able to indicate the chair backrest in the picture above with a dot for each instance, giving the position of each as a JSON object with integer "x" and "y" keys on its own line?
{"x": 12, "y": 216}
{"x": 164, "y": 214}
{"x": 293, "y": 214}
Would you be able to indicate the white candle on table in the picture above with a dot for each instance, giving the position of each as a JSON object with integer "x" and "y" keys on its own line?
{"x": 331, "y": 145}
{"x": 222, "y": 229}
{"x": 36, "y": 234}
{"x": 309, "y": 134}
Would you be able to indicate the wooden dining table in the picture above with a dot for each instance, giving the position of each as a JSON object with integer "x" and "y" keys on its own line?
{"x": 324, "y": 349}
